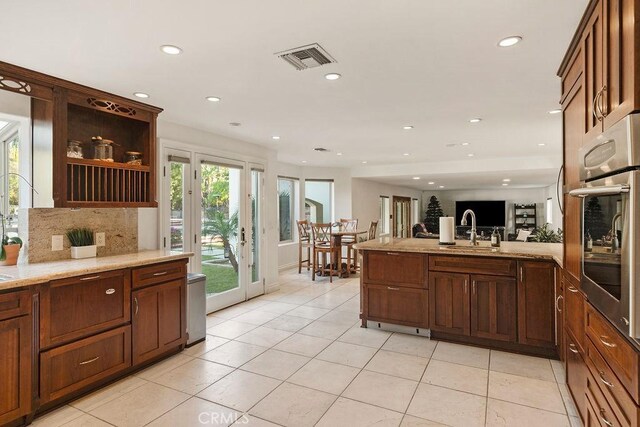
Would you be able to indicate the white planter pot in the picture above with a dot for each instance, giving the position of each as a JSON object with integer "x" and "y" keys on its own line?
{"x": 78, "y": 252}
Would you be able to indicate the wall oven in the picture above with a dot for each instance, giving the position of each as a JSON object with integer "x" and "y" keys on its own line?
{"x": 610, "y": 175}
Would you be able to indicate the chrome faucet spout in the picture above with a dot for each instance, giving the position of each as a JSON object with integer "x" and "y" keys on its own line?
{"x": 615, "y": 243}
{"x": 473, "y": 238}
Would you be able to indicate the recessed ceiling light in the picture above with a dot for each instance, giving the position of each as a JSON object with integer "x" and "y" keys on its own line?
{"x": 213, "y": 99}
{"x": 431, "y": 183}
{"x": 470, "y": 155}
{"x": 476, "y": 120}
{"x": 416, "y": 177}
{"x": 405, "y": 154}
{"x": 338, "y": 154}
{"x": 506, "y": 180}
{"x": 304, "y": 161}
{"x": 542, "y": 144}
{"x": 364, "y": 162}
{"x": 275, "y": 137}
{"x": 170, "y": 49}
{"x": 505, "y": 184}
{"x": 407, "y": 127}
{"x": 556, "y": 111}
{"x": 450, "y": 145}
{"x": 235, "y": 124}
{"x": 509, "y": 41}
{"x": 141, "y": 95}
{"x": 332, "y": 76}
{"x": 441, "y": 186}
{"x": 464, "y": 144}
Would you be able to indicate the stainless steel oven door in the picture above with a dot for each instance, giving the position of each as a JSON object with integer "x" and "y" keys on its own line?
{"x": 610, "y": 227}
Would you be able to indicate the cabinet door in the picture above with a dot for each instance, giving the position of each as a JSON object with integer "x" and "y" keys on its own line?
{"x": 618, "y": 98}
{"x": 536, "y": 304}
{"x": 560, "y": 311}
{"x": 397, "y": 305}
{"x": 493, "y": 307}
{"x": 573, "y": 236}
{"x": 576, "y": 371}
{"x": 573, "y": 113}
{"x": 15, "y": 368}
{"x": 449, "y": 303}
{"x": 158, "y": 320}
{"x": 593, "y": 71}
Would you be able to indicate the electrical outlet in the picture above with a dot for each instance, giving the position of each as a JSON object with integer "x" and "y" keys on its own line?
{"x": 57, "y": 243}
{"x": 100, "y": 239}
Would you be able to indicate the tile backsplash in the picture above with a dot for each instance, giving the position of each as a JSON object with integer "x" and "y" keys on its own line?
{"x": 120, "y": 226}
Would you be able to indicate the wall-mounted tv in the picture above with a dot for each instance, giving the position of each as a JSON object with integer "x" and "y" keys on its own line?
{"x": 489, "y": 213}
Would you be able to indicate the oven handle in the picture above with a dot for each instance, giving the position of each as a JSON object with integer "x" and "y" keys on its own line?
{"x": 605, "y": 190}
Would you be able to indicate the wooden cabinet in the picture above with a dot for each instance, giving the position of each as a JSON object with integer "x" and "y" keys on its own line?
{"x": 574, "y": 302}
{"x": 593, "y": 71}
{"x": 449, "y": 303}
{"x": 493, "y": 308}
{"x": 536, "y": 302}
{"x": 158, "y": 320}
{"x": 395, "y": 268}
{"x": 398, "y": 305}
{"x": 560, "y": 312}
{"x": 15, "y": 362}
{"x": 576, "y": 371}
{"x": 472, "y": 264}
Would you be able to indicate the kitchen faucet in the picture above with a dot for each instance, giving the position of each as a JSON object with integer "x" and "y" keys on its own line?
{"x": 615, "y": 243}
{"x": 473, "y": 237}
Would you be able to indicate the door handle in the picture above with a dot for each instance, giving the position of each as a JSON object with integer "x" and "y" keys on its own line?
{"x": 135, "y": 301}
{"x": 473, "y": 287}
{"x": 243, "y": 240}
{"x": 600, "y": 101}
{"x": 572, "y": 289}
{"x": 466, "y": 286}
{"x": 603, "y": 380}
{"x": 572, "y": 348}
{"x": 558, "y": 303}
{"x": 607, "y": 343}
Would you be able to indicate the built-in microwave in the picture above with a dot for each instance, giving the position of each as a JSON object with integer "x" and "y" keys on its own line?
{"x": 610, "y": 175}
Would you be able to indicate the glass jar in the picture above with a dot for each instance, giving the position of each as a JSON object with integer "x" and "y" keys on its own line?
{"x": 103, "y": 150}
{"x": 133, "y": 158}
{"x": 74, "y": 149}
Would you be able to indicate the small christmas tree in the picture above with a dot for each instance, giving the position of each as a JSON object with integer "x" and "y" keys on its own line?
{"x": 594, "y": 219}
{"x": 433, "y": 214}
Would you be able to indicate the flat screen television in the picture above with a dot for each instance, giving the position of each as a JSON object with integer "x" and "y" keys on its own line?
{"x": 489, "y": 213}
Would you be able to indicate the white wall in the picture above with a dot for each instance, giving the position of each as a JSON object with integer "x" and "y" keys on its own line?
{"x": 448, "y": 198}
{"x": 556, "y": 219}
{"x": 365, "y": 201}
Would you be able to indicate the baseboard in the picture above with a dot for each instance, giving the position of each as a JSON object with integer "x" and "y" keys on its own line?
{"x": 271, "y": 288}
{"x": 282, "y": 268}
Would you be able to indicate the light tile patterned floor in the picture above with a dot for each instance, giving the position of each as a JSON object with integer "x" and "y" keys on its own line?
{"x": 297, "y": 357}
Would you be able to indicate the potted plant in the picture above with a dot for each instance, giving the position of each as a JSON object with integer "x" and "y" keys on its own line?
{"x": 82, "y": 244}
{"x": 546, "y": 235}
{"x": 10, "y": 245}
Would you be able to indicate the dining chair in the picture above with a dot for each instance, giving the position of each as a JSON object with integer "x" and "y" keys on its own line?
{"x": 373, "y": 228}
{"x": 304, "y": 242}
{"x": 324, "y": 244}
{"x": 349, "y": 241}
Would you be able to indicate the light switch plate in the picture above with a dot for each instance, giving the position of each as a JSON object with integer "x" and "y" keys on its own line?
{"x": 100, "y": 239}
{"x": 57, "y": 243}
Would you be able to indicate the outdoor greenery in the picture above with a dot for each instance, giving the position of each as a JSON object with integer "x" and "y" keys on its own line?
{"x": 217, "y": 224}
{"x": 220, "y": 278}
{"x": 284, "y": 207}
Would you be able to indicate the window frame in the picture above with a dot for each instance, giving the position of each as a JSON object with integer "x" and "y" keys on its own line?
{"x": 385, "y": 214}
{"x": 293, "y": 197}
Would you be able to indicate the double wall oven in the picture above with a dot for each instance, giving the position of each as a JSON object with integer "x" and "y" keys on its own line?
{"x": 610, "y": 175}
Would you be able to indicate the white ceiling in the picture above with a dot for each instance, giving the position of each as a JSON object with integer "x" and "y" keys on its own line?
{"x": 433, "y": 64}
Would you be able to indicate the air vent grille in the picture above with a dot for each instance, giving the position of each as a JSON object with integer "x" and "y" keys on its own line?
{"x": 320, "y": 149}
{"x": 309, "y": 56}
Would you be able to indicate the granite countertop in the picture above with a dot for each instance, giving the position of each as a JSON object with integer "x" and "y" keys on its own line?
{"x": 524, "y": 250}
{"x": 20, "y": 275}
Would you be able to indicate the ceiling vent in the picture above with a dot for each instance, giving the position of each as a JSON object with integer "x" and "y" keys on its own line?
{"x": 320, "y": 149}
{"x": 309, "y": 56}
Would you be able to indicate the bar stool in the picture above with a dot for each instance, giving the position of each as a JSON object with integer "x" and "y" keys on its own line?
{"x": 304, "y": 242}
{"x": 349, "y": 241}
{"x": 323, "y": 244}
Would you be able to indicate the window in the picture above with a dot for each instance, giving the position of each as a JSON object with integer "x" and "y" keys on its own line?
{"x": 549, "y": 210}
{"x": 286, "y": 208}
{"x": 11, "y": 166}
{"x": 384, "y": 215}
{"x": 318, "y": 200}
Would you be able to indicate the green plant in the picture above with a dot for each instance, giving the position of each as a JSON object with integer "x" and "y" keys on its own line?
{"x": 546, "y": 235}
{"x": 80, "y": 236}
{"x": 432, "y": 215}
{"x": 6, "y": 240}
{"x": 217, "y": 224}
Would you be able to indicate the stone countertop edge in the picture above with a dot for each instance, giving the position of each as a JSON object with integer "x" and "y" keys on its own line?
{"x": 23, "y": 275}
{"x": 521, "y": 250}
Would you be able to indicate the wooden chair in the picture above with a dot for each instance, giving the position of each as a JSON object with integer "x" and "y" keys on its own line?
{"x": 349, "y": 241}
{"x": 304, "y": 242}
{"x": 373, "y": 228}
{"x": 323, "y": 244}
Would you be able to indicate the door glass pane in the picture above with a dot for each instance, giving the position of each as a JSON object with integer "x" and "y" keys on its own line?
{"x": 177, "y": 200}
{"x": 220, "y": 254}
{"x": 256, "y": 214}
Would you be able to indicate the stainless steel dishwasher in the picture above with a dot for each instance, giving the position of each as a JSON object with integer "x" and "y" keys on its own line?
{"x": 196, "y": 308}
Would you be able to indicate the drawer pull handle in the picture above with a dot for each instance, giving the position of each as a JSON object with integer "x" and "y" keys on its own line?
{"x": 86, "y": 362}
{"x": 607, "y": 343}
{"x": 572, "y": 348}
{"x": 605, "y": 382}
{"x": 604, "y": 420}
{"x": 135, "y": 301}
{"x": 162, "y": 273}
{"x": 91, "y": 277}
{"x": 393, "y": 253}
{"x": 473, "y": 287}
{"x": 110, "y": 291}
{"x": 392, "y": 288}
{"x": 572, "y": 289}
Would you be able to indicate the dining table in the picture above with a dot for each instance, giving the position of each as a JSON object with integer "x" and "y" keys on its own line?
{"x": 337, "y": 236}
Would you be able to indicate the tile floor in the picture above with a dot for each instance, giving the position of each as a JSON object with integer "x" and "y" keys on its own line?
{"x": 298, "y": 357}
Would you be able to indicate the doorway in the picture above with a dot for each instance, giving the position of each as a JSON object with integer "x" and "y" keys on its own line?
{"x": 401, "y": 208}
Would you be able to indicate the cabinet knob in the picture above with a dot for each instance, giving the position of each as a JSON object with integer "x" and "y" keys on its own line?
{"x": 110, "y": 291}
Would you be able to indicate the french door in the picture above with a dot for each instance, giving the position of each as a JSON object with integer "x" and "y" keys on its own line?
{"x": 401, "y": 216}
{"x": 215, "y": 209}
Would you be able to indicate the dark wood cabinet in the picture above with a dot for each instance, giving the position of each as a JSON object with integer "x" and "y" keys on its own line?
{"x": 560, "y": 312}
{"x": 395, "y": 268}
{"x": 398, "y": 305}
{"x": 15, "y": 367}
{"x": 574, "y": 302}
{"x": 536, "y": 302}
{"x": 449, "y": 303}
{"x": 158, "y": 320}
{"x": 493, "y": 308}
{"x": 576, "y": 371}
{"x": 593, "y": 71}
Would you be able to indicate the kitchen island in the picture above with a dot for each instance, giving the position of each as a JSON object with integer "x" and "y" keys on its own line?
{"x": 507, "y": 298}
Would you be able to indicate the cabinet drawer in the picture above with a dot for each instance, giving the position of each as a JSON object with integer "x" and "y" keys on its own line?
{"x": 619, "y": 400}
{"x": 396, "y": 268}
{"x": 619, "y": 354}
{"x": 398, "y": 305}
{"x": 15, "y": 304}
{"x": 576, "y": 371}
{"x": 159, "y": 273}
{"x": 478, "y": 265}
{"x": 574, "y": 313}
{"x": 79, "y": 306}
{"x": 597, "y": 400}
{"x": 72, "y": 367}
